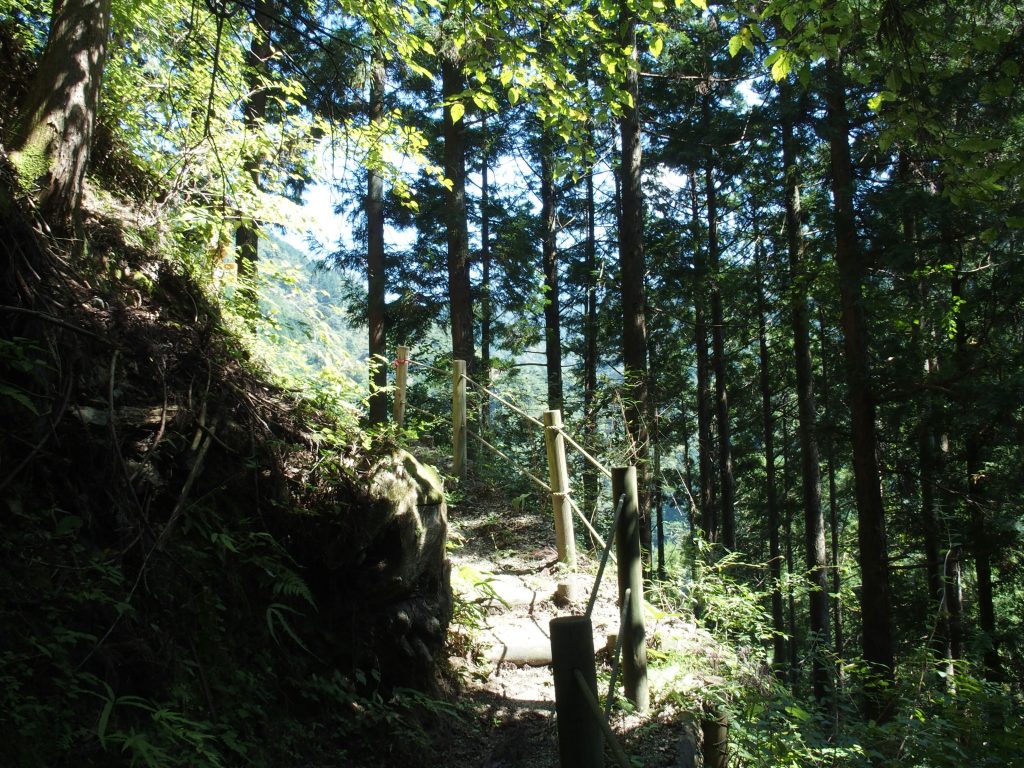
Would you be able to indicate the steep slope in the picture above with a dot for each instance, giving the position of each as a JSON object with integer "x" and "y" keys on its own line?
{"x": 195, "y": 568}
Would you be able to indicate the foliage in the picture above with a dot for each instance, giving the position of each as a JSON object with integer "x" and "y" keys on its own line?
{"x": 939, "y": 718}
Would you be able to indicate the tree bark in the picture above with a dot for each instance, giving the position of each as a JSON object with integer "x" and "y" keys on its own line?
{"x": 247, "y": 235}
{"x": 631, "y": 264}
{"x": 549, "y": 250}
{"x": 52, "y": 140}
{"x": 727, "y": 480}
{"x": 794, "y": 649}
{"x": 709, "y": 518}
{"x": 460, "y": 300}
{"x": 810, "y": 466}
{"x": 771, "y": 492}
{"x": 980, "y": 540}
{"x": 376, "y": 299}
{"x": 875, "y": 599}
{"x": 485, "y": 262}
{"x": 833, "y": 502}
{"x": 590, "y": 488}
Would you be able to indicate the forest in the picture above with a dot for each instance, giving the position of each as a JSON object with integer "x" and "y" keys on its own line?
{"x": 770, "y": 253}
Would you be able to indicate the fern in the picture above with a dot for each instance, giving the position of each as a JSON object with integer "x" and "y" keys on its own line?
{"x": 290, "y": 584}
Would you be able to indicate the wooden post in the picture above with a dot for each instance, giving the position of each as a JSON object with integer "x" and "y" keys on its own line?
{"x": 459, "y": 419}
{"x": 558, "y": 474}
{"x": 627, "y": 551}
{"x": 579, "y": 732}
{"x": 715, "y": 730}
{"x": 401, "y": 377}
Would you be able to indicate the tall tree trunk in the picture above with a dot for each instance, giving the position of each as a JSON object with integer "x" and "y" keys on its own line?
{"x": 52, "y": 140}
{"x": 376, "y": 300}
{"x": 927, "y": 450}
{"x": 794, "y": 649}
{"x": 658, "y": 501}
{"x": 485, "y": 261}
{"x": 549, "y": 249}
{"x": 771, "y": 492}
{"x": 875, "y": 599}
{"x": 727, "y": 480}
{"x": 460, "y": 300}
{"x": 810, "y": 467}
{"x": 631, "y": 265}
{"x": 952, "y": 563}
{"x": 833, "y": 501}
{"x": 709, "y": 518}
{"x": 590, "y": 336}
{"x": 247, "y": 236}
{"x": 980, "y": 539}
{"x": 954, "y": 603}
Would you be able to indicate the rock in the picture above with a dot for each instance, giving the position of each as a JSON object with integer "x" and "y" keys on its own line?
{"x": 378, "y": 569}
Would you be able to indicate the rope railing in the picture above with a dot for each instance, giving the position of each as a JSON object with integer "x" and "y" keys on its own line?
{"x": 597, "y": 464}
{"x": 514, "y": 408}
{"x": 544, "y": 486}
{"x": 629, "y": 656}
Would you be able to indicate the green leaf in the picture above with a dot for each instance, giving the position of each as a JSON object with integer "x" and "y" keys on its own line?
{"x": 458, "y": 109}
{"x": 702, "y": 4}
{"x": 101, "y": 726}
{"x": 656, "y": 45}
{"x": 68, "y": 524}
{"x": 735, "y": 44}
{"x": 19, "y": 396}
{"x": 782, "y": 66}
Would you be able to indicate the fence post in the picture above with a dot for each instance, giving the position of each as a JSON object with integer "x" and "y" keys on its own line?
{"x": 558, "y": 474}
{"x": 459, "y": 419}
{"x": 401, "y": 377}
{"x": 627, "y": 551}
{"x": 580, "y": 742}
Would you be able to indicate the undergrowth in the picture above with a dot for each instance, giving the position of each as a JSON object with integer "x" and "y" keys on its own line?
{"x": 175, "y": 534}
{"x": 937, "y": 718}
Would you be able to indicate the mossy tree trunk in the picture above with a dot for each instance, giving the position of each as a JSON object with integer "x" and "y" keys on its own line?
{"x": 53, "y": 137}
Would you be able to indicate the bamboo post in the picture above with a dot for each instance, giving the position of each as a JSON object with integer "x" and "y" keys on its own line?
{"x": 459, "y": 419}
{"x": 579, "y": 732}
{"x": 631, "y": 589}
{"x": 558, "y": 473}
{"x": 401, "y": 377}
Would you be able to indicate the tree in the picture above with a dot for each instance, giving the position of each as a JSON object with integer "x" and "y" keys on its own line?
{"x": 552, "y": 297}
{"x": 460, "y": 299}
{"x": 631, "y": 265}
{"x": 375, "y": 265}
{"x": 54, "y": 133}
{"x": 810, "y": 468}
{"x": 876, "y": 604}
{"x": 247, "y": 236}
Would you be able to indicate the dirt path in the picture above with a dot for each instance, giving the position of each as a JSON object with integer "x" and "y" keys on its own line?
{"x": 503, "y": 569}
